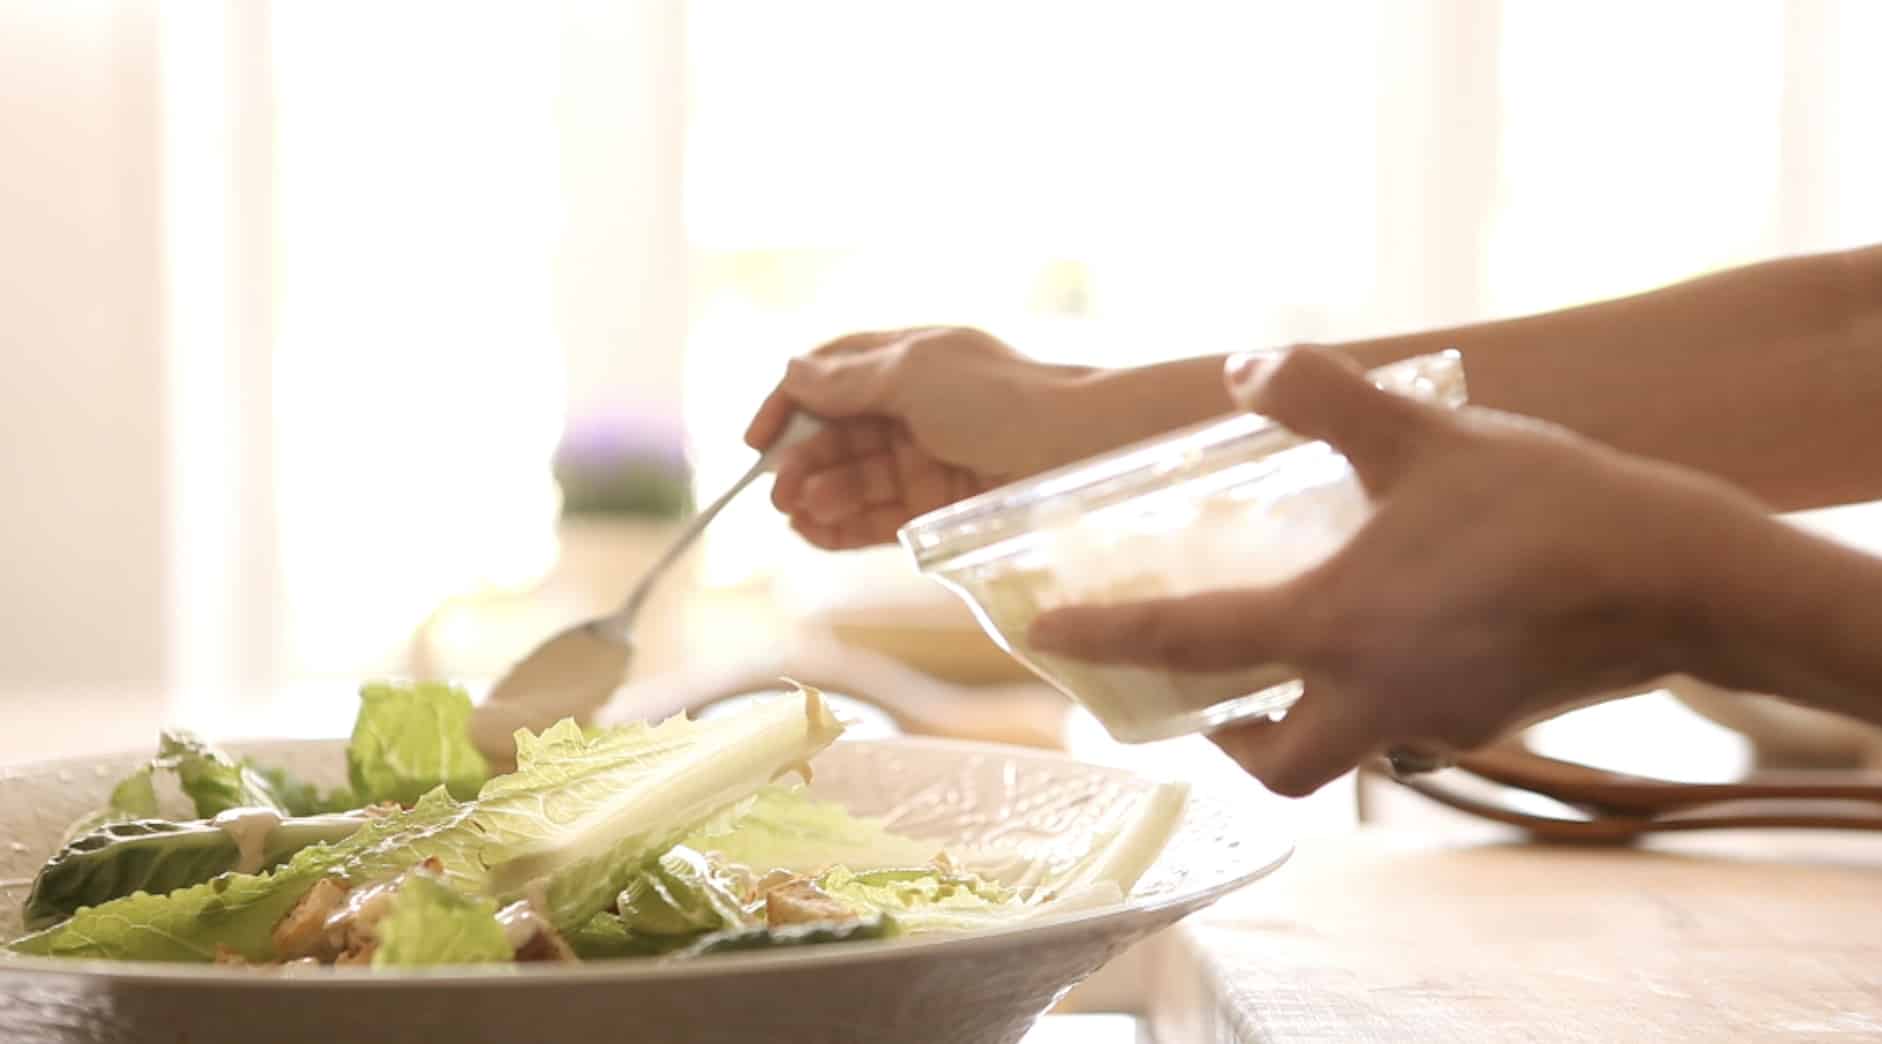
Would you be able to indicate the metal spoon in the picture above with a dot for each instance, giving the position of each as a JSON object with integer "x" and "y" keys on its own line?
{"x": 574, "y": 673}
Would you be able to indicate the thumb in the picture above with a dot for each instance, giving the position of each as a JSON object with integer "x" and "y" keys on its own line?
{"x": 1320, "y": 395}
{"x": 1216, "y": 631}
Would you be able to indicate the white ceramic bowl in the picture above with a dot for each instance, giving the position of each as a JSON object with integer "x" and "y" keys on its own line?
{"x": 983, "y": 988}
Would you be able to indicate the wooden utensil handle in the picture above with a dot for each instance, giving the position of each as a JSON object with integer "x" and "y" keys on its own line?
{"x": 1626, "y": 793}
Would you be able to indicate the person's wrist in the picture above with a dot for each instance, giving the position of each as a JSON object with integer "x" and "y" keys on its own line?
{"x": 1746, "y": 581}
{"x": 1103, "y": 409}
{"x": 1073, "y": 406}
{"x": 1791, "y": 614}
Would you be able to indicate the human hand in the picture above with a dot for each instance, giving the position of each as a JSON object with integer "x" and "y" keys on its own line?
{"x": 914, "y": 420}
{"x": 1509, "y": 569}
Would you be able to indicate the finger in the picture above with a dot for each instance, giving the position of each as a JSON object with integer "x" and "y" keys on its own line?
{"x": 924, "y": 483}
{"x": 854, "y": 484}
{"x": 1215, "y": 631}
{"x": 866, "y": 529}
{"x": 770, "y": 419}
{"x": 795, "y": 464}
{"x": 1325, "y": 396}
{"x": 872, "y": 526}
{"x": 864, "y": 436}
{"x": 815, "y": 532}
{"x": 1320, "y": 740}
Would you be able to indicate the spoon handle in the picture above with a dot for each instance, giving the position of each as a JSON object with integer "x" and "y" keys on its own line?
{"x": 802, "y": 426}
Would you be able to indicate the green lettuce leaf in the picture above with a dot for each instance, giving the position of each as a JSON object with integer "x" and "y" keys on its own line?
{"x": 239, "y": 911}
{"x": 682, "y": 894}
{"x": 582, "y": 815}
{"x": 134, "y": 798}
{"x": 1104, "y": 872}
{"x": 297, "y": 797}
{"x": 430, "y": 922}
{"x": 214, "y": 781}
{"x": 948, "y": 896}
{"x": 154, "y": 855}
{"x": 411, "y": 738}
{"x": 679, "y": 898}
{"x": 577, "y": 821}
{"x": 925, "y": 900}
{"x": 605, "y": 937}
{"x": 786, "y": 829}
{"x": 210, "y": 780}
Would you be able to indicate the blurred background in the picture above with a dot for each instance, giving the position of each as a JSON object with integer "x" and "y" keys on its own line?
{"x": 347, "y": 339}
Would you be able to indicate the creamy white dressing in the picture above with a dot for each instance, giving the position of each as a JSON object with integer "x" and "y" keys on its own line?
{"x": 364, "y": 906}
{"x": 249, "y": 829}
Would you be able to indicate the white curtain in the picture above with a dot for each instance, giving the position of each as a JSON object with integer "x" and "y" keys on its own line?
{"x": 407, "y": 242}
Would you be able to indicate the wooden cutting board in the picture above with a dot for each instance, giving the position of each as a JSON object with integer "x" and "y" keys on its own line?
{"x": 1388, "y": 937}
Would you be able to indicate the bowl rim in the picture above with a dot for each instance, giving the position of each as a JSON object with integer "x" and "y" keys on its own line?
{"x": 1173, "y": 906}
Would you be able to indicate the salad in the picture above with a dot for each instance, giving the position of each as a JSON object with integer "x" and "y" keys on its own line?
{"x": 666, "y": 841}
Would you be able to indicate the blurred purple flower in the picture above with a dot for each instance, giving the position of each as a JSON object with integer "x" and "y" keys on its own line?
{"x": 604, "y": 441}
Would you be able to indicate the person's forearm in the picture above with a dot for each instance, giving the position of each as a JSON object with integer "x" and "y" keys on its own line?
{"x": 1768, "y": 376}
{"x": 1113, "y": 408}
{"x": 1785, "y": 612}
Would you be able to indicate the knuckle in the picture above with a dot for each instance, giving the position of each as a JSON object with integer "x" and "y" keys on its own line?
{"x": 848, "y": 343}
{"x": 801, "y": 370}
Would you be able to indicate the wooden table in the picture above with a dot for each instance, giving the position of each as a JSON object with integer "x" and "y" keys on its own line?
{"x": 1393, "y": 936}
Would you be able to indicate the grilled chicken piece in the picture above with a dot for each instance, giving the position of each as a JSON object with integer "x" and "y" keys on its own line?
{"x": 800, "y": 901}
{"x": 302, "y": 933}
{"x": 352, "y": 928}
{"x": 361, "y": 954}
{"x": 335, "y": 925}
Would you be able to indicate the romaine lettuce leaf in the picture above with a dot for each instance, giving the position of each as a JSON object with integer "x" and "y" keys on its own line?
{"x": 214, "y": 781}
{"x": 297, "y": 797}
{"x": 134, "y": 798}
{"x": 949, "y": 896}
{"x": 430, "y": 922}
{"x": 209, "y": 780}
{"x": 155, "y": 855}
{"x": 1106, "y": 870}
{"x": 605, "y": 937}
{"x": 679, "y": 898}
{"x": 681, "y": 894}
{"x": 925, "y": 900}
{"x": 239, "y": 911}
{"x": 578, "y": 820}
{"x": 581, "y": 816}
{"x": 408, "y": 739}
{"x": 785, "y": 828}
